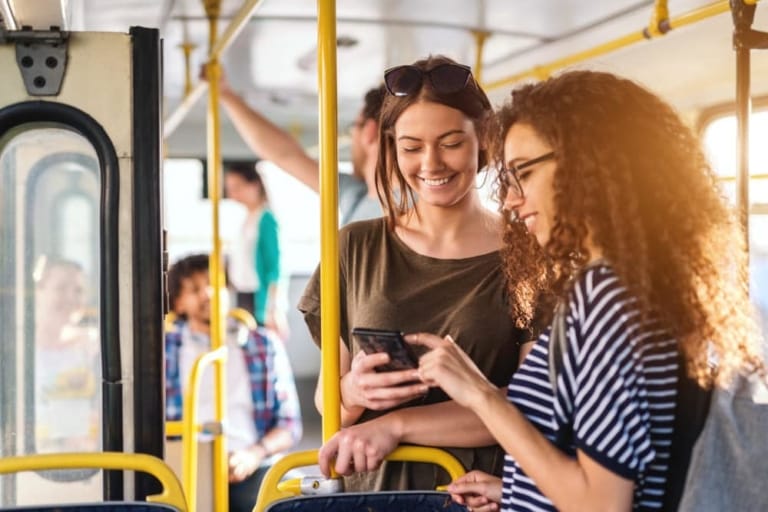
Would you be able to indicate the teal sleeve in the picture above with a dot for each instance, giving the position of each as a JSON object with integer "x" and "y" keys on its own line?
{"x": 267, "y": 261}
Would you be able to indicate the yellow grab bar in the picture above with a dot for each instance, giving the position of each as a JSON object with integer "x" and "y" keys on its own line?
{"x": 239, "y": 314}
{"x": 329, "y": 223}
{"x": 272, "y": 489}
{"x": 172, "y": 494}
{"x": 190, "y": 426}
{"x": 244, "y": 317}
{"x": 543, "y": 71}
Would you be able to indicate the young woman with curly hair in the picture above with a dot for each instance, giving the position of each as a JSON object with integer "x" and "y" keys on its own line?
{"x": 633, "y": 235}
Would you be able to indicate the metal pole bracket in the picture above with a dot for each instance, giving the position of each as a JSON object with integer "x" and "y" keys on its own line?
{"x": 744, "y": 36}
{"x": 42, "y": 58}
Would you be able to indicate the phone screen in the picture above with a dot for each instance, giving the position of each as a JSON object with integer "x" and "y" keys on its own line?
{"x": 401, "y": 357}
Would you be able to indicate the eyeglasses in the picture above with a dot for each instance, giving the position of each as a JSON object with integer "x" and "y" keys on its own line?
{"x": 445, "y": 78}
{"x": 511, "y": 177}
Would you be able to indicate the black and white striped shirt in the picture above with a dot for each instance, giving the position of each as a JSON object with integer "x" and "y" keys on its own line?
{"x": 615, "y": 397}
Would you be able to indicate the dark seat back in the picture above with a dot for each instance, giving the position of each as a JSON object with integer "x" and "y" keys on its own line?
{"x": 390, "y": 501}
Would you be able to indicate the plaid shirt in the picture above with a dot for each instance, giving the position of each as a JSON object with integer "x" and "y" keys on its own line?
{"x": 273, "y": 390}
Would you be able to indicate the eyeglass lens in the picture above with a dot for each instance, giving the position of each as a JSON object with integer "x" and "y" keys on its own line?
{"x": 445, "y": 78}
{"x": 449, "y": 78}
{"x": 403, "y": 80}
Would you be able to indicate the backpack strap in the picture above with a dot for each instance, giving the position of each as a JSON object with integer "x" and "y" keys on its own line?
{"x": 557, "y": 343}
{"x": 691, "y": 409}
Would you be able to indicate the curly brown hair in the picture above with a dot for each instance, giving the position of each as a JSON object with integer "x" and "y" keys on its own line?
{"x": 471, "y": 100}
{"x": 634, "y": 176}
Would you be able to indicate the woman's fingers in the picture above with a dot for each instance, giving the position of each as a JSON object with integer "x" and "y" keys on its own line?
{"x": 358, "y": 457}
{"x": 425, "y": 339}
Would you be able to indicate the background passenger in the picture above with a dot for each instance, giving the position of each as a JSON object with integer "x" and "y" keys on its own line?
{"x": 262, "y": 407}
{"x": 639, "y": 244}
{"x": 357, "y": 192}
{"x": 67, "y": 364}
{"x": 254, "y": 264}
{"x": 432, "y": 263}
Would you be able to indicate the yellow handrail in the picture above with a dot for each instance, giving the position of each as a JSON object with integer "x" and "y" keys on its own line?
{"x": 190, "y": 427}
{"x": 174, "y": 428}
{"x": 189, "y": 416}
{"x": 543, "y": 71}
{"x": 170, "y": 320}
{"x": 329, "y": 284}
{"x": 172, "y": 493}
{"x": 244, "y": 317}
{"x": 215, "y": 268}
{"x": 329, "y": 224}
{"x": 241, "y": 315}
{"x": 272, "y": 489}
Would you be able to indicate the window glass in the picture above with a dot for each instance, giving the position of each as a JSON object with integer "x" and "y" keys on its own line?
{"x": 720, "y": 143}
{"x": 50, "y": 311}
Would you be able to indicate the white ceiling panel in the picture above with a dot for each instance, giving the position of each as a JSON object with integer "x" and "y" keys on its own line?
{"x": 274, "y": 61}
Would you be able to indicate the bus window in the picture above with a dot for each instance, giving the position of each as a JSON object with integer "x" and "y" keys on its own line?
{"x": 50, "y": 224}
{"x": 720, "y": 143}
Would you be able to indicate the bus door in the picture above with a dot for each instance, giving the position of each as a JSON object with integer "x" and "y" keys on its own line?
{"x": 81, "y": 257}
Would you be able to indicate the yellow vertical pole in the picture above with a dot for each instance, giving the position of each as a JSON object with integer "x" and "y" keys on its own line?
{"x": 213, "y": 72}
{"x": 187, "y": 48}
{"x": 329, "y": 223}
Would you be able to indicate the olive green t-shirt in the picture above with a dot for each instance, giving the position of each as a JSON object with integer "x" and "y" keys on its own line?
{"x": 386, "y": 285}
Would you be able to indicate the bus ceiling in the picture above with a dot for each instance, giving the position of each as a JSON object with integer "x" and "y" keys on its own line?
{"x": 273, "y": 59}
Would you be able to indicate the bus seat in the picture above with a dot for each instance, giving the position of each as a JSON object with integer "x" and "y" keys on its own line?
{"x": 322, "y": 494}
{"x": 171, "y": 499}
{"x": 389, "y": 501}
{"x": 109, "y": 506}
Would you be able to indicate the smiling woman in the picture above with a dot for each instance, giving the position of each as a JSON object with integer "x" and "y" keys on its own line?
{"x": 432, "y": 264}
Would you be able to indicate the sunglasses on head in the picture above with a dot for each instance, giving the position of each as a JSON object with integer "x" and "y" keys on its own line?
{"x": 408, "y": 79}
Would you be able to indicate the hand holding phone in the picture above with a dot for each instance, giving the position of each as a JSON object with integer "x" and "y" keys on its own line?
{"x": 372, "y": 341}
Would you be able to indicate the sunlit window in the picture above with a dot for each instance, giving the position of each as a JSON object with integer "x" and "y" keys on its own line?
{"x": 720, "y": 143}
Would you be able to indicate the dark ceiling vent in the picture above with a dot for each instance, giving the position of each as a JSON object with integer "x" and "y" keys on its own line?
{"x": 346, "y": 41}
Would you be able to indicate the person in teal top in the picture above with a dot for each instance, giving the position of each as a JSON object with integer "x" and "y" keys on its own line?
{"x": 254, "y": 263}
{"x": 267, "y": 264}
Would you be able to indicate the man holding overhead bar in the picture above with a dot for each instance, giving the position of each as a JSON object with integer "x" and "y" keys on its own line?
{"x": 357, "y": 192}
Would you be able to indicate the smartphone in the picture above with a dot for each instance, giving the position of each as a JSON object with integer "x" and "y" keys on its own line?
{"x": 401, "y": 356}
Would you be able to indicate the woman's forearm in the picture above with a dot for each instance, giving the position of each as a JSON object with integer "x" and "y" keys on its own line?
{"x": 446, "y": 424}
